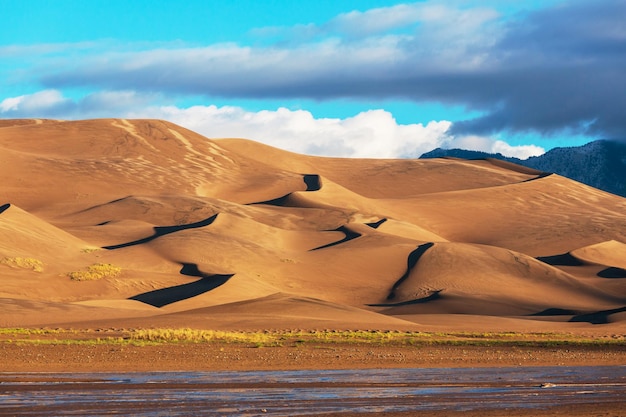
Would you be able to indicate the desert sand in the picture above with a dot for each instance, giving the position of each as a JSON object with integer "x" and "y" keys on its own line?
{"x": 130, "y": 224}
{"x": 233, "y": 234}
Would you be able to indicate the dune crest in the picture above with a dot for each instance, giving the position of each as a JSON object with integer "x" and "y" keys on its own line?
{"x": 186, "y": 231}
{"x": 609, "y": 253}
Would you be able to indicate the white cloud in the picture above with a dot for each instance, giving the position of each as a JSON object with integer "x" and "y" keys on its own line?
{"x": 383, "y": 52}
{"x": 10, "y": 104}
{"x": 113, "y": 101}
{"x": 369, "y": 134}
{"x": 521, "y": 151}
{"x": 39, "y": 102}
{"x": 376, "y": 20}
{"x": 52, "y": 103}
{"x": 514, "y": 69}
{"x": 486, "y": 144}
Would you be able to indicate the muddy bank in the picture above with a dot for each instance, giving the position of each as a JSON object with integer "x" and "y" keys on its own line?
{"x": 29, "y": 357}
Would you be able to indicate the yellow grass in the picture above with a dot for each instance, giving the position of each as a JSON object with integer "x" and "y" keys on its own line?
{"x": 141, "y": 337}
{"x": 95, "y": 272}
{"x": 267, "y": 338}
{"x": 200, "y": 336}
{"x": 24, "y": 263}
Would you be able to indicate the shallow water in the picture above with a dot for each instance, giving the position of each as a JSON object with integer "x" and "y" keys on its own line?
{"x": 299, "y": 393}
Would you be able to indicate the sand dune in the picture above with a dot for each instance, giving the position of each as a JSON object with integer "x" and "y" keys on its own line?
{"x": 24, "y": 234}
{"x": 274, "y": 312}
{"x": 610, "y": 253}
{"x": 543, "y": 217}
{"x": 456, "y": 271}
{"x": 380, "y": 178}
{"x": 230, "y": 233}
{"x": 22, "y": 312}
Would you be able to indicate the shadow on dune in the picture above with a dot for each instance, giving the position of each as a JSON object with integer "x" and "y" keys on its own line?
{"x": 280, "y": 201}
{"x": 511, "y": 166}
{"x": 567, "y": 259}
{"x": 564, "y": 259}
{"x": 313, "y": 182}
{"x": 349, "y": 235}
{"x": 432, "y": 297}
{"x": 612, "y": 272}
{"x": 4, "y": 207}
{"x": 169, "y": 295}
{"x": 376, "y": 225}
{"x": 556, "y": 312}
{"x": 598, "y": 317}
{"x": 411, "y": 262}
{"x": 117, "y": 200}
{"x": 538, "y": 177}
{"x": 595, "y": 317}
{"x": 164, "y": 230}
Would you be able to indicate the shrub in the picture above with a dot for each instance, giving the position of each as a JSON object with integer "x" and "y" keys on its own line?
{"x": 199, "y": 336}
{"x": 90, "y": 250}
{"x": 25, "y": 263}
{"x": 95, "y": 272}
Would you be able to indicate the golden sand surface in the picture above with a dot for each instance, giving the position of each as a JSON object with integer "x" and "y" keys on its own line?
{"x": 115, "y": 223}
{"x": 112, "y": 226}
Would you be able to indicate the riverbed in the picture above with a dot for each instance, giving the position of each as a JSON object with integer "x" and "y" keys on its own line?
{"x": 309, "y": 392}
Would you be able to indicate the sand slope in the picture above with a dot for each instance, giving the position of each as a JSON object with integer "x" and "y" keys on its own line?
{"x": 231, "y": 233}
{"x": 610, "y": 253}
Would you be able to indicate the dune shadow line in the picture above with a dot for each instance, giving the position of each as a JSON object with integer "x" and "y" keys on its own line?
{"x": 164, "y": 296}
{"x": 376, "y": 225}
{"x": 349, "y": 235}
{"x": 4, "y": 207}
{"x": 434, "y": 295}
{"x": 564, "y": 259}
{"x": 612, "y": 272}
{"x": 313, "y": 182}
{"x": 567, "y": 259}
{"x": 593, "y": 317}
{"x": 162, "y": 231}
{"x": 540, "y": 176}
{"x": 280, "y": 201}
{"x": 597, "y": 317}
{"x": 414, "y": 256}
{"x": 117, "y": 200}
{"x": 556, "y": 312}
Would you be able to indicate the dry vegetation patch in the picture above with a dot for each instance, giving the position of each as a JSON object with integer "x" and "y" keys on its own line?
{"x": 24, "y": 263}
{"x": 372, "y": 338}
{"x": 202, "y": 336}
{"x": 96, "y": 272}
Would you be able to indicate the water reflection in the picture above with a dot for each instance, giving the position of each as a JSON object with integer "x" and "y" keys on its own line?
{"x": 300, "y": 393}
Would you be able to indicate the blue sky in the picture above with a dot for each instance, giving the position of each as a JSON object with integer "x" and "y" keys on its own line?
{"x": 342, "y": 78}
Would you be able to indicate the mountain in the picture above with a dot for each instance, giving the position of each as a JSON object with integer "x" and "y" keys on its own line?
{"x": 116, "y": 223}
{"x": 600, "y": 164}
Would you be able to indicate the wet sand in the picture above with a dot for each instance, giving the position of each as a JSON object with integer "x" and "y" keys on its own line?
{"x": 350, "y": 392}
{"x": 94, "y": 358}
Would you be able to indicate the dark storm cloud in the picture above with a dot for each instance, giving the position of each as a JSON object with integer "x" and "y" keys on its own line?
{"x": 555, "y": 69}
{"x": 559, "y": 68}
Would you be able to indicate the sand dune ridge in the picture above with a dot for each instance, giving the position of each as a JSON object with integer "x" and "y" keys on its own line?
{"x": 230, "y": 233}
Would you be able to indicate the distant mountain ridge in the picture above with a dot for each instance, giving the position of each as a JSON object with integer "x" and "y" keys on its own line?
{"x": 600, "y": 164}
